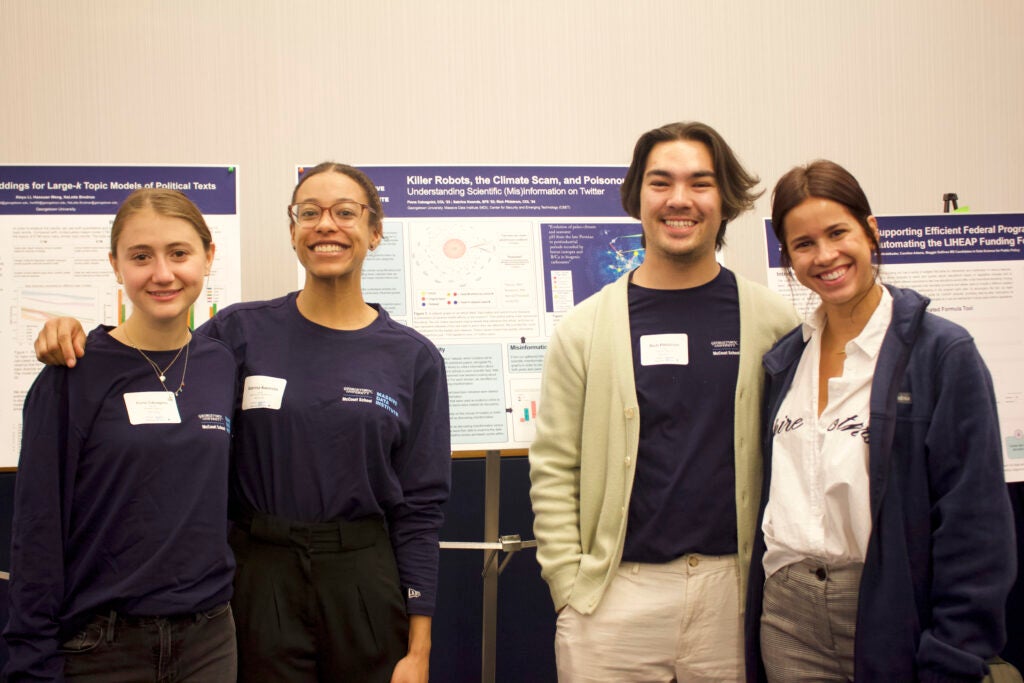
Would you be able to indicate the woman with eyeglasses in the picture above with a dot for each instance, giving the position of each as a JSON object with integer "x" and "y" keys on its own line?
{"x": 341, "y": 459}
{"x": 885, "y": 550}
{"x": 121, "y": 569}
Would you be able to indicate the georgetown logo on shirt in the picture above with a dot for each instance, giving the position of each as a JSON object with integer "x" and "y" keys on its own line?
{"x": 728, "y": 347}
{"x": 371, "y": 397}
{"x": 214, "y": 421}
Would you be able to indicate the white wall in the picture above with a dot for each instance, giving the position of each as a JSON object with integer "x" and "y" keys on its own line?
{"x": 915, "y": 97}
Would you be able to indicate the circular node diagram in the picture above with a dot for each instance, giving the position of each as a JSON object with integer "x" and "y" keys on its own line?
{"x": 452, "y": 256}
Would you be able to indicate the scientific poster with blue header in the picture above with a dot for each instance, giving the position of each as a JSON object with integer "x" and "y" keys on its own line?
{"x": 971, "y": 266}
{"x": 54, "y": 239}
{"x": 484, "y": 260}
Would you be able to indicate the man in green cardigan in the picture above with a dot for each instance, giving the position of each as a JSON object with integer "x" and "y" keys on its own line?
{"x": 646, "y": 468}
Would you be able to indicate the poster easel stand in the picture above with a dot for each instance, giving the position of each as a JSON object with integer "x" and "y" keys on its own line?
{"x": 508, "y": 544}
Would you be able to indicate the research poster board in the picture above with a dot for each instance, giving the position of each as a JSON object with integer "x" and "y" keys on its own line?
{"x": 54, "y": 239}
{"x": 971, "y": 266}
{"x": 484, "y": 261}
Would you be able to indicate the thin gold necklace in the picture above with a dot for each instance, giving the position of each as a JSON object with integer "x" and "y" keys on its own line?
{"x": 828, "y": 347}
{"x": 162, "y": 374}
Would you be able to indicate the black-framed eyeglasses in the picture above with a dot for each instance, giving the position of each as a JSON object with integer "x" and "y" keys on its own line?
{"x": 344, "y": 213}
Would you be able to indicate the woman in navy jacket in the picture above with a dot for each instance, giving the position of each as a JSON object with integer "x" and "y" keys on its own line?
{"x": 927, "y": 587}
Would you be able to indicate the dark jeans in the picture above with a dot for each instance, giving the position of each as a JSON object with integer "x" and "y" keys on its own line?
{"x": 194, "y": 648}
{"x": 317, "y": 602}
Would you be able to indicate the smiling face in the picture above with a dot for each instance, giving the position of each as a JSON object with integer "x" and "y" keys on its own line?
{"x": 830, "y": 251}
{"x": 680, "y": 204}
{"x": 161, "y": 262}
{"x": 325, "y": 250}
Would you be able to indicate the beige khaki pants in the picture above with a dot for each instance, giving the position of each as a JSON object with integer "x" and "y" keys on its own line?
{"x": 678, "y": 621}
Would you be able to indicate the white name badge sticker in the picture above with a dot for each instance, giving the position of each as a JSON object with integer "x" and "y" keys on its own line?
{"x": 664, "y": 349}
{"x": 152, "y": 408}
{"x": 262, "y": 391}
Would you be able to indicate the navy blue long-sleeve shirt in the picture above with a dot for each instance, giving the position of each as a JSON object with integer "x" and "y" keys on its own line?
{"x": 110, "y": 515}
{"x": 342, "y": 424}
